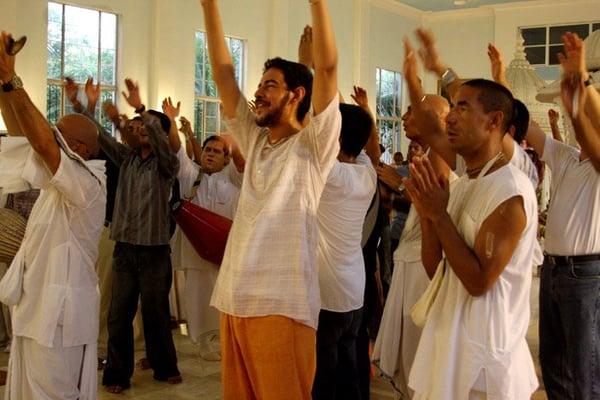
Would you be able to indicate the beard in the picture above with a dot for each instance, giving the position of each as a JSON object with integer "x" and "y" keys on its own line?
{"x": 273, "y": 116}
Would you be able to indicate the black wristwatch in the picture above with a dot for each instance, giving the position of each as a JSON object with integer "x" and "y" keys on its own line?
{"x": 14, "y": 84}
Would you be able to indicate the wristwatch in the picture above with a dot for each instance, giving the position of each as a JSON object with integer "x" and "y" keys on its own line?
{"x": 13, "y": 84}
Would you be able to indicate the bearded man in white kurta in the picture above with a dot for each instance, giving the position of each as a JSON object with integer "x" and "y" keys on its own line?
{"x": 55, "y": 314}
{"x": 473, "y": 343}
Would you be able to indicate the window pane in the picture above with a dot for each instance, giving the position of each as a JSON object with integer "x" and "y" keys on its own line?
{"x": 81, "y": 43}
{"x": 536, "y": 55}
{"x": 55, "y": 12}
{"x": 556, "y": 32}
{"x": 200, "y": 60}
{"x": 595, "y": 27}
{"x": 386, "y": 134}
{"x": 54, "y": 45}
{"x": 53, "y": 99}
{"x": 105, "y": 95}
{"x": 108, "y": 42}
{"x": 198, "y": 119}
{"x": 553, "y": 51}
{"x": 534, "y": 36}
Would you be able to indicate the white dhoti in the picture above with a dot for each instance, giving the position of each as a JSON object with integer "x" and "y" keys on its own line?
{"x": 398, "y": 336}
{"x": 200, "y": 278}
{"x": 49, "y": 373}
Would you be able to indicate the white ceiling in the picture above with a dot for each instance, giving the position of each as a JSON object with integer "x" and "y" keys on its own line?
{"x": 442, "y": 5}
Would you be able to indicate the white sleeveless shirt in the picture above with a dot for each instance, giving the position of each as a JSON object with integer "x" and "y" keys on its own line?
{"x": 466, "y": 335}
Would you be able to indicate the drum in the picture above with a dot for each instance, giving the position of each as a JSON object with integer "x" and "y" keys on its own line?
{"x": 12, "y": 230}
{"x": 206, "y": 230}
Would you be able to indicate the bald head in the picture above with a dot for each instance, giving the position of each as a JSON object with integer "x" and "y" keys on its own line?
{"x": 80, "y": 134}
{"x": 438, "y": 103}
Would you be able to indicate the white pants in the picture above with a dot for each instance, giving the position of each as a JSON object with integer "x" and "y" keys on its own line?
{"x": 44, "y": 373}
{"x": 202, "y": 320}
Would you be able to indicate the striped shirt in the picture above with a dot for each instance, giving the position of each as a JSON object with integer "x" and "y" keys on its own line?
{"x": 142, "y": 214}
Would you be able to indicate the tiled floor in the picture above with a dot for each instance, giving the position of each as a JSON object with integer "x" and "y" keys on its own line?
{"x": 201, "y": 379}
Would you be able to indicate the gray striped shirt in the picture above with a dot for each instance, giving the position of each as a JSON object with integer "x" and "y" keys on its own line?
{"x": 142, "y": 214}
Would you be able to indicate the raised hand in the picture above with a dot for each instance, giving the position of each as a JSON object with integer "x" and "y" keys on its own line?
{"x": 429, "y": 53}
{"x": 573, "y": 93}
{"x": 573, "y": 58}
{"x": 169, "y": 109}
{"x": 410, "y": 69}
{"x": 186, "y": 127}
{"x": 71, "y": 90}
{"x": 7, "y": 61}
{"x": 497, "y": 65}
{"x": 360, "y": 97}
{"x": 305, "y": 48}
{"x": 92, "y": 92}
{"x": 133, "y": 94}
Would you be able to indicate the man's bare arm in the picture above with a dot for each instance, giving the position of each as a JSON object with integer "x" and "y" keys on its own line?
{"x": 172, "y": 112}
{"x": 220, "y": 59}
{"x": 31, "y": 121}
{"x": 372, "y": 147}
{"x": 325, "y": 85}
{"x": 553, "y": 120}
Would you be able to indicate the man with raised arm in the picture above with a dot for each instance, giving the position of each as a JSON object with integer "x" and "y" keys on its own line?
{"x": 569, "y": 330}
{"x": 55, "y": 306}
{"x": 267, "y": 289}
{"x": 473, "y": 342}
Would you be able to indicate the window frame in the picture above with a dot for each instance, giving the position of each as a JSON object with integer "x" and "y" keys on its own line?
{"x": 547, "y": 45}
{"x": 397, "y": 106}
{"x": 201, "y": 134}
{"x": 60, "y": 82}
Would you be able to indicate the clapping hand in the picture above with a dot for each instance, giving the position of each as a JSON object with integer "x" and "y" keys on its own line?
{"x": 428, "y": 191}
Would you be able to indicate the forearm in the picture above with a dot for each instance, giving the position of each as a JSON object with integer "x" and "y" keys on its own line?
{"x": 174, "y": 140}
{"x": 588, "y": 138}
{"x": 556, "y": 132}
{"x": 10, "y": 119}
{"x": 592, "y": 106}
{"x": 196, "y": 150}
{"x": 189, "y": 148}
{"x": 167, "y": 161}
{"x": 33, "y": 124}
{"x": 220, "y": 59}
{"x": 460, "y": 257}
{"x": 372, "y": 147}
{"x": 325, "y": 56}
{"x": 431, "y": 249}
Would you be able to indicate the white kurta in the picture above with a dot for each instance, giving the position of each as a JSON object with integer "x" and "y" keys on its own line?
{"x": 219, "y": 193}
{"x": 60, "y": 287}
{"x": 470, "y": 340}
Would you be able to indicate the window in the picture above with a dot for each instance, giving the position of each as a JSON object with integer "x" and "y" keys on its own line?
{"x": 207, "y": 114}
{"x": 81, "y": 43}
{"x": 389, "y": 105}
{"x": 542, "y": 44}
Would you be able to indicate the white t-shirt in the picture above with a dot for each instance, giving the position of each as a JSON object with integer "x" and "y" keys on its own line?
{"x": 573, "y": 225}
{"x": 344, "y": 204}
{"x": 59, "y": 249}
{"x": 270, "y": 262}
{"x": 465, "y": 336}
{"x": 216, "y": 192}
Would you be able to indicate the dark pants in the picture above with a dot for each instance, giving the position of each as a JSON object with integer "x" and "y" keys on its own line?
{"x": 337, "y": 370}
{"x": 570, "y": 330}
{"x": 140, "y": 271}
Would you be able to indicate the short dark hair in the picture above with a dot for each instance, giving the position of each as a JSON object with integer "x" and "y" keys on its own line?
{"x": 494, "y": 97}
{"x": 356, "y": 129}
{"x": 295, "y": 75}
{"x": 165, "y": 122}
{"x": 520, "y": 120}
{"x": 215, "y": 138}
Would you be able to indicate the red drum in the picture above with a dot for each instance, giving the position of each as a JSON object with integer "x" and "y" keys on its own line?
{"x": 206, "y": 231}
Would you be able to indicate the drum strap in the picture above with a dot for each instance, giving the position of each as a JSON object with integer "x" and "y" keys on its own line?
{"x": 194, "y": 189}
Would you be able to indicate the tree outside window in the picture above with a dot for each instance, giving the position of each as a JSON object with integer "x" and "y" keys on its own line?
{"x": 82, "y": 43}
{"x": 207, "y": 114}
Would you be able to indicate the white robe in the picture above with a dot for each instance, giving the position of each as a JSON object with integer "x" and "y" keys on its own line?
{"x": 59, "y": 304}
